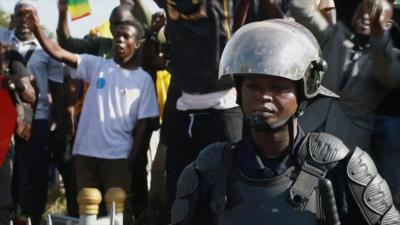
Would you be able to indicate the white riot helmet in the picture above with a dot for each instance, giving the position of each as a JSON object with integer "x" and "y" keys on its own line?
{"x": 279, "y": 47}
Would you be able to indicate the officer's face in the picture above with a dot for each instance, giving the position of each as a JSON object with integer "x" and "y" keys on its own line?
{"x": 271, "y": 99}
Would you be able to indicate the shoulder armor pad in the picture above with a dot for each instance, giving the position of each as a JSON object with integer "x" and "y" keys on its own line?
{"x": 180, "y": 210}
{"x": 377, "y": 195}
{"x": 322, "y": 148}
{"x": 210, "y": 157}
{"x": 188, "y": 181}
{"x": 187, "y": 184}
{"x": 370, "y": 190}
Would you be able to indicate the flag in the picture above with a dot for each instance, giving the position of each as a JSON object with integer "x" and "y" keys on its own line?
{"x": 78, "y": 8}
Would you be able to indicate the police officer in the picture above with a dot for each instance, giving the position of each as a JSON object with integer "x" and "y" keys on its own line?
{"x": 278, "y": 174}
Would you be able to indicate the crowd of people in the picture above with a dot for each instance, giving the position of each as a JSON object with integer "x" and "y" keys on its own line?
{"x": 300, "y": 97}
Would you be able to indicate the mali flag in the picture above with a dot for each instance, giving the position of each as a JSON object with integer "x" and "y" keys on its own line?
{"x": 78, "y": 8}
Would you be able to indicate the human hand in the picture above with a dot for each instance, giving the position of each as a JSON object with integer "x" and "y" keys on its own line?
{"x": 30, "y": 17}
{"x": 62, "y": 6}
{"x": 157, "y": 21}
{"x": 380, "y": 16}
{"x": 24, "y": 130}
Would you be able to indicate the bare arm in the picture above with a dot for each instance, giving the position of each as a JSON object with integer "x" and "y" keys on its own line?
{"x": 72, "y": 96}
{"x": 240, "y": 14}
{"x": 62, "y": 28}
{"x": 48, "y": 45}
{"x": 305, "y": 12}
{"x": 141, "y": 137}
{"x": 273, "y": 9}
{"x": 75, "y": 45}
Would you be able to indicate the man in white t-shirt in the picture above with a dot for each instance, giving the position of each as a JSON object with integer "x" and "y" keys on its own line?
{"x": 120, "y": 98}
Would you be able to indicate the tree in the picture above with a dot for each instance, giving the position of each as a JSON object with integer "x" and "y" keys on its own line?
{"x": 4, "y": 19}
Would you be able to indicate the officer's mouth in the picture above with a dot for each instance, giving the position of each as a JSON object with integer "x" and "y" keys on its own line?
{"x": 264, "y": 112}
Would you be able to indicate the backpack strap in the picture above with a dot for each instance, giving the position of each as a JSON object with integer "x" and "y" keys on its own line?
{"x": 216, "y": 166}
{"x": 218, "y": 180}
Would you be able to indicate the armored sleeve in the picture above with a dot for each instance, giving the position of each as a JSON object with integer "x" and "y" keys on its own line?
{"x": 370, "y": 191}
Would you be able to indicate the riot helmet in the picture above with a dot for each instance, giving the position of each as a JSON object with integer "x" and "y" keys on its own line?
{"x": 279, "y": 47}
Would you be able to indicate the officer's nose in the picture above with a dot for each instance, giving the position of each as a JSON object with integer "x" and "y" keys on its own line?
{"x": 265, "y": 95}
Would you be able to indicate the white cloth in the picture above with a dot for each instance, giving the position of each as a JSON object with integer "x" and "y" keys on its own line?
{"x": 225, "y": 99}
{"x": 116, "y": 99}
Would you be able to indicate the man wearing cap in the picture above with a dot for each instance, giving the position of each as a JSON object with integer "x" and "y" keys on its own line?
{"x": 30, "y": 175}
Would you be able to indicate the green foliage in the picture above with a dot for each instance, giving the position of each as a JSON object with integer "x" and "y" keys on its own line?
{"x": 4, "y": 19}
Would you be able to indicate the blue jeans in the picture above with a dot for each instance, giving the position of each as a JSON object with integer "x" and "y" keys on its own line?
{"x": 386, "y": 152}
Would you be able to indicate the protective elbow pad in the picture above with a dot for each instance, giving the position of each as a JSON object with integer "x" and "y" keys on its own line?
{"x": 370, "y": 190}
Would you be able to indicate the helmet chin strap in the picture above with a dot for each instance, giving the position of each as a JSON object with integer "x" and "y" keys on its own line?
{"x": 260, "y": 125}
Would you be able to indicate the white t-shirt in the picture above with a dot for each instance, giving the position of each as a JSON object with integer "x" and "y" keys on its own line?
{"x": 116, "y": 99}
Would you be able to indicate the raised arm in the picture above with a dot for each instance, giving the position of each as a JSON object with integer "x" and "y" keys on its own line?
{"x": 66, "y": 41}
{"x": 51, "y": 47}
{"x": 306, "y": 12}
{"x": 62, "y": 27}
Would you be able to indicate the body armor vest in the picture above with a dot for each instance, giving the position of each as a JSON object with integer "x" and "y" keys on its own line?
{"x": 266, "y": 203}
{"x": 301, "y": 195}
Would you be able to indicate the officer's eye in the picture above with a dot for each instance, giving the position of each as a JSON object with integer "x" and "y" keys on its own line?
{"x": 252, "y": 86}
{"x": 277, "y": 88}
